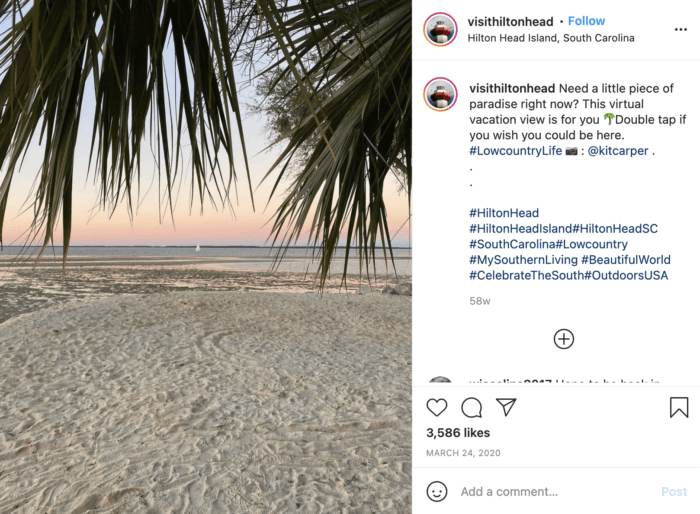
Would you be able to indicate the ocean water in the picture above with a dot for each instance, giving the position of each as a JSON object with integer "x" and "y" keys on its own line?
{"x": 183, "y": 251}
{"x": 296, "y": 260}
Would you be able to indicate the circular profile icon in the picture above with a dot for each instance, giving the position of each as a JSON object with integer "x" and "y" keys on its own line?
{"x": 440, "y": 94}
{"x": 440, "y": 29}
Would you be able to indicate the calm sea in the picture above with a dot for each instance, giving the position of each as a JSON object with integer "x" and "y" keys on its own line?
{"x": 181, "y": 251}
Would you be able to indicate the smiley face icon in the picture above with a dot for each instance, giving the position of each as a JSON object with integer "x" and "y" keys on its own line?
{"x": 437, "y": 491}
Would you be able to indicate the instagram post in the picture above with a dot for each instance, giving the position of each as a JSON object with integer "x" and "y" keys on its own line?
{"x": 223, "y": 290}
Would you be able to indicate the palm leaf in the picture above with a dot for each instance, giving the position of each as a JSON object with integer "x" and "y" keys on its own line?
{"x": 357, "y": 96}
{"x": 48, "y": 56}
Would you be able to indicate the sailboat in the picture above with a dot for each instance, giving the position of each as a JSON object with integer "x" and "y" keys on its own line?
{"x": 197, "y": 249}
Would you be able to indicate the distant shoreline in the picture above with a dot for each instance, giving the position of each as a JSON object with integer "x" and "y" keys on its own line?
{"x": 201, "y": 246}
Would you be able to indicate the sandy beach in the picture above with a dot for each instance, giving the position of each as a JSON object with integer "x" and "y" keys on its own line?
{"x": 198, "y": 402}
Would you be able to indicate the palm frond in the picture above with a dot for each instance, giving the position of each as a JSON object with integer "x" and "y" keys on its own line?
{"x": 357, "y": 96}
{"x": 54, "y": 48}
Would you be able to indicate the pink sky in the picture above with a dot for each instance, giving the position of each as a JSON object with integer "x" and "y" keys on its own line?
{"x": 210, "y": 228}
{"x": 91, "y": 227}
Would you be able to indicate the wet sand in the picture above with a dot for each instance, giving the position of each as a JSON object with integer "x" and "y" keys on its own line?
{"x": 26, "y": 287}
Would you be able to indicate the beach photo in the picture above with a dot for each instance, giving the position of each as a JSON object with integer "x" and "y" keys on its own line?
{"x": 205, "y": 261}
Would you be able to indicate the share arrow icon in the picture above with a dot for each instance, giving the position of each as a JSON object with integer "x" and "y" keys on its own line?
{"x": 507, "y": 404}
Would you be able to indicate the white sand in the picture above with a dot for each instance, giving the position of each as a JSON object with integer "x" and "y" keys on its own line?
{"x": 208, "y": 402}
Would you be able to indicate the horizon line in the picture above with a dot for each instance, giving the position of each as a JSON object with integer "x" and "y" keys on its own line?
{"x": 186, "y": 246}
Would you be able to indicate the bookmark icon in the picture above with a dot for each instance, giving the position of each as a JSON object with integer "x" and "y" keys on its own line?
{"x": 680, "y": 404}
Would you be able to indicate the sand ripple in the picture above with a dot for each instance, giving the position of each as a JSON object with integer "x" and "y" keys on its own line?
{"x": 208, "y": 402}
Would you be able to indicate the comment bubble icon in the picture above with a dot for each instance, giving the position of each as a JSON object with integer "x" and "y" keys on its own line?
{"x": 471, "y": 408}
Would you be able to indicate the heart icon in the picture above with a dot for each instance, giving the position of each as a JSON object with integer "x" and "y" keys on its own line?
{"x": 437, "y": 407}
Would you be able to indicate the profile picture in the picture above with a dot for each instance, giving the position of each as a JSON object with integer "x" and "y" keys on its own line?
{"x": 440, "y": 29}
{"x": 440, "y": 94}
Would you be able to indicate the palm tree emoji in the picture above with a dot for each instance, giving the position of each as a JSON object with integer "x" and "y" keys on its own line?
{"x": 609, "y": 117}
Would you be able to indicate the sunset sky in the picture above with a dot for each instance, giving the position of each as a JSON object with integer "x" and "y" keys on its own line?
{"x": 95, "y": 227}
